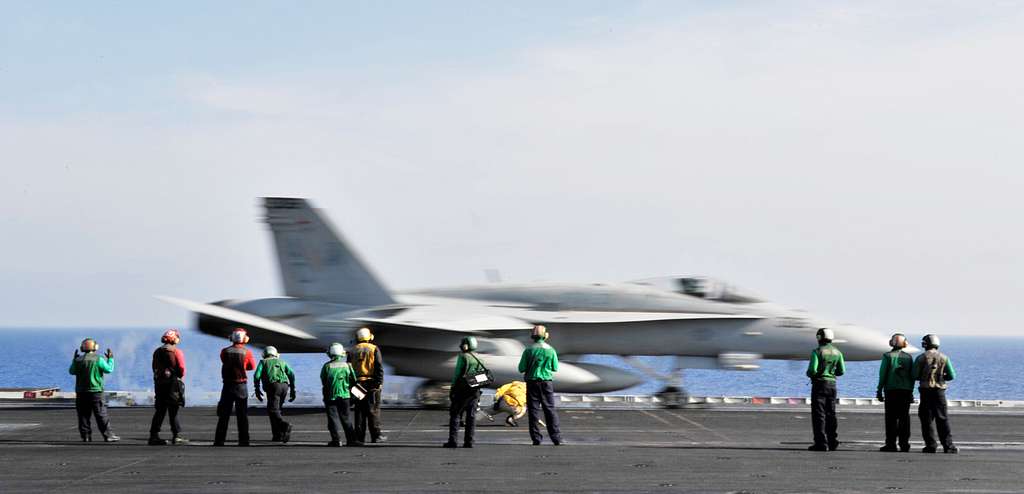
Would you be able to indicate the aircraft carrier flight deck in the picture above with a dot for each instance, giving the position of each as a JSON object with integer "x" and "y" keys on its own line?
{"x": 737, "y": 448}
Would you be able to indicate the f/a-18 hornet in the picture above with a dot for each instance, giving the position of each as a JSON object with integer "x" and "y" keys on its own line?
{"x": 330, "y": 293}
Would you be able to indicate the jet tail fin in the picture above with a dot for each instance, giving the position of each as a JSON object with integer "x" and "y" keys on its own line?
{"x": 316, "y": 263}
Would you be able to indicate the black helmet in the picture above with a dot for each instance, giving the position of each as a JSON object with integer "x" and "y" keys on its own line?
{"x": 930, "y": 341}
{"x": 468, "y": 344}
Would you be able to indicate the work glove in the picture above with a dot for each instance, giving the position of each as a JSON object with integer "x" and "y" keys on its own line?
{"x": 879, "y": 395}
{"x": 291, "y": 395}
{"x": 77, "y": 354}
{"x": 110, "y": 354}
{"x": 259, "y": 394}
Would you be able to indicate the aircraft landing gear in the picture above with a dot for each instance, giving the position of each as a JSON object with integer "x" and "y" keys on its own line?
{"x": 673, "y": 397}
{"x": 434, "y": 394}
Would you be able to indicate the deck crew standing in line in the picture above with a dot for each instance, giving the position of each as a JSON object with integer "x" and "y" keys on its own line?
{"x": 896, "y": 390}
{"x": 278, "y": 380}
{"x": 933, "y": 369}
{"x": 538, "y": 364}
{"x": 88, "y": 369}
{"x": 336, "y": 379}
{"x": 168, "y": 387}
{"x": 366, "y": 359}
{"x": 465, "y": 394}
{"x": 235, "y": 360}
{"x": 826, "y": 363}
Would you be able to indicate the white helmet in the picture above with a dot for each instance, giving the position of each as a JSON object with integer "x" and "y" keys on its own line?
{"x": 364, "y": 334}
{"x": 336, "y": 350}
{"x": 270, "y": 352}
{"x": 826, "y": 334}
{"x": 239, "y": 336}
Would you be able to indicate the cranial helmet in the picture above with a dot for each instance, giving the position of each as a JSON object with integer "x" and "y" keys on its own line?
{"x": 89, "y": 345}
{"x": 270, "y": 352}
{"x": 930, "y": 341}
{"x": 171, "y": 336}
{"x": 364, "y": 334}
{"x": 239, "y": 335}
{"x": 468, "y": 344}
{"x": 539, "y": 332}
{"x": 898, "y": 340}
{"x": 335, "y": 350}
{"x": 826, "y": 335}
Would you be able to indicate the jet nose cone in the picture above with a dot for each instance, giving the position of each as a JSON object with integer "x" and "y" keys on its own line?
{"x": 860, "y": 343}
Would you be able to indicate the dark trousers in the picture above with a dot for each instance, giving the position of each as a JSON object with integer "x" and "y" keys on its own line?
{"x": 337, "y": 418}
{"x": 540, "y": 395}
{"x": 88, "y": 404}
{"x": 897, "y": 417}
{"x": 823, "y": 414}
{"x": 368, "y": 416}
{"x": 464, "y": 400}
{"x": 276, "y": 394}
{"x": 165, "y": 405}
{"x": 234, "y": 395}
{"x": 932, "y": 411}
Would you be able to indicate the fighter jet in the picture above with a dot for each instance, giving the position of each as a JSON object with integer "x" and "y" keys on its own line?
{"x": 329, "y": 292}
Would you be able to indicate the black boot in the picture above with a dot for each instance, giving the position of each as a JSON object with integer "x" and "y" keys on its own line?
{"x": 154, "y": 440}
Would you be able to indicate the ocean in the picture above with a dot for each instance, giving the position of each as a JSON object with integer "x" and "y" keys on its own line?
{"x": 986, "y": 367}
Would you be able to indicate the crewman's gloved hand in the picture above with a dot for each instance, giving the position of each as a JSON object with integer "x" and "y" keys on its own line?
{"x": 110, "y": 354}
{"x": 259, "y": 394}
{"x": 879, "y": 395}
{"x": 291, "y": 395}
{"x": 77, "y": 354}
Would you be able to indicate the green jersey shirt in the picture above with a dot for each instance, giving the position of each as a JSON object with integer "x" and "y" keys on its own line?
{"x": 467, "y": 366}
{"x": 826, "y": 363}
{"x": 337, "y": 377}
{"x": 274, "y": 370}
{"x": 539, "y": 362}
{"x": 896, "y": 371}
{"x": 88, "y": 370}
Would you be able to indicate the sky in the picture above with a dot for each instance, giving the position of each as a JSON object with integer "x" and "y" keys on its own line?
{"x": 861, "y": 160}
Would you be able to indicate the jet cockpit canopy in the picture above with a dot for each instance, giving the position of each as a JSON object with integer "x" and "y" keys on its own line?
{"x": 705, "y": 288}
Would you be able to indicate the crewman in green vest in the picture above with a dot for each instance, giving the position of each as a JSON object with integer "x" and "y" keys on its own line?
{"x": 88, "y": 369}
{"x": 337, "y": 377}
{"x": 278, "y": 379}
{"x": 826, "y": 363}
{"x": 538, "y": 365}
{"x": 470, "y": 376}
{"x": 896, "y": 389}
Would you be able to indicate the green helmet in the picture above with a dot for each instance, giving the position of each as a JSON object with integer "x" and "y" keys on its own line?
{"x": 468, "y": 344}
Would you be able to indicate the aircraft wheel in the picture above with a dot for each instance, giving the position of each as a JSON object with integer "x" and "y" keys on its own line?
{"x": 673, "y": 397}
{"x": 434, "y": 394}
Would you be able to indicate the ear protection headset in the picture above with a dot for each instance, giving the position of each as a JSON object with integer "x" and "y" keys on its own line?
{"x": 540, "y": 332}
{"x": 898, "y": 340}
{"x": 89, "y": 345}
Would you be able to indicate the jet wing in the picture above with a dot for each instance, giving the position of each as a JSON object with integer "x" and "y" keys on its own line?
{"x": 619, "y": 317}
{"x": 243, "y": 318}
{"x": 464, "y": 319}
